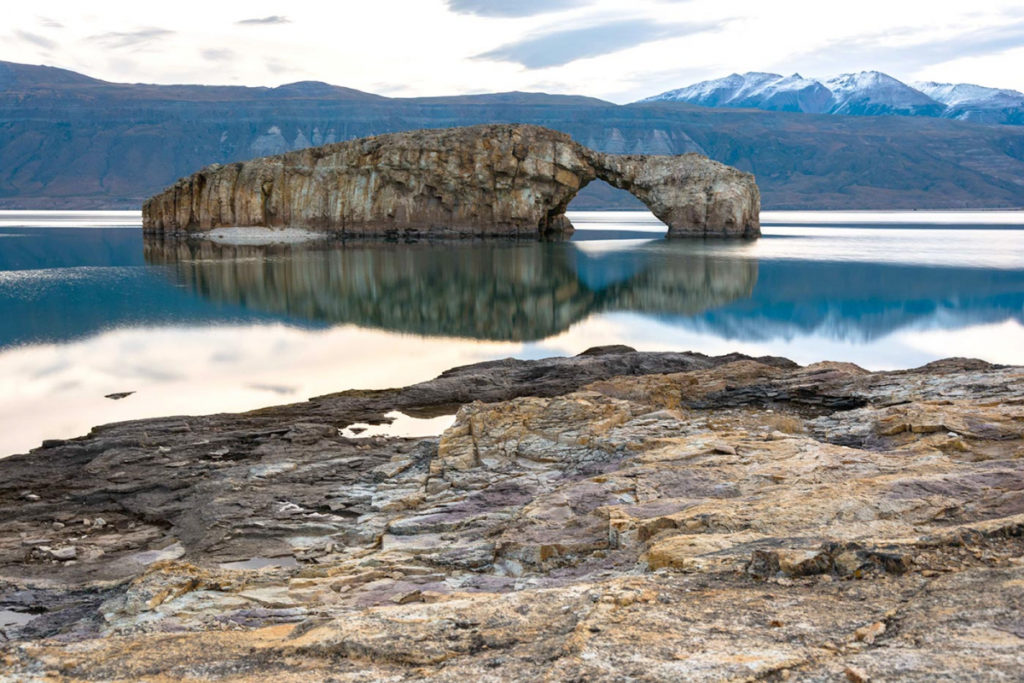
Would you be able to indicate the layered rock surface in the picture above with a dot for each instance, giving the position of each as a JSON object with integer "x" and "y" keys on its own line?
{"x": 478, "y": 180}
{"x": 617, "y": 515}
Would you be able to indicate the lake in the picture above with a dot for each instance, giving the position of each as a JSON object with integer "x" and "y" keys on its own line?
{"x": 88, "y": 308}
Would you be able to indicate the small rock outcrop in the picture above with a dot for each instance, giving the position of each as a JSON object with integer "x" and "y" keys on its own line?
{"x": 479, "y": 180}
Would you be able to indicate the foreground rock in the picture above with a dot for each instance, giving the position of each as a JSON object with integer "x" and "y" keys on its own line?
{"x": 480, "y": 180}
{"x": 618, "y": 515}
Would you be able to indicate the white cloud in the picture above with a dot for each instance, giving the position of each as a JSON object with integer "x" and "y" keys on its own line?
{"x": 426, "y": 47}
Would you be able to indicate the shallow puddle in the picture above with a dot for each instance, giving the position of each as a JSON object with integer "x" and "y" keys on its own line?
{"x": 401, "y": 425}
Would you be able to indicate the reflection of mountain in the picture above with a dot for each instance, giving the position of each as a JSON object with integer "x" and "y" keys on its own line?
{"x": 863, "y": 301}
{"x": 57, "y": 285}
{"x": 62, "y": 284}
{"x": 499, "y": 291}
{"x": 663, "y": 277}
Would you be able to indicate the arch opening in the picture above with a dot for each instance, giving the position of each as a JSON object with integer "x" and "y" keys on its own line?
{"x": 599, "y": 195}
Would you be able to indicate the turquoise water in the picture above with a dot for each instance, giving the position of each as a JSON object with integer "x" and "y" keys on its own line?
{"x": 88, "y": 308}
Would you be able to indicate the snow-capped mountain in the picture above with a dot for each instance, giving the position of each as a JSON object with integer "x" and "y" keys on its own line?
{"x": 976, "y": 103}
{"x": 867, "y": 93}
{"x": 755, "y": 90}
{"x": 787, "y": 93}
{"x": 872, "y": 93}
{"x": 716, "y": 93}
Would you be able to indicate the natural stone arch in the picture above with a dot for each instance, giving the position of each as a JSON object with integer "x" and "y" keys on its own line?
{"x": 480, "y": 180}
{"x": 691, "y": 194}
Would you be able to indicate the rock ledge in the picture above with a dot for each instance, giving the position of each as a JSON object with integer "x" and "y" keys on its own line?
{"x": 613, "y": 516}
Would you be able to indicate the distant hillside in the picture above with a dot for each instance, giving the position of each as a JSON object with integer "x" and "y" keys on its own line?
{"x": 69, "y": 141}
{"x": 867, "y": 93}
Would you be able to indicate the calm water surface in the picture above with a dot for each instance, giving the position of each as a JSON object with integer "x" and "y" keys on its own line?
{"x": 87, "y": 308}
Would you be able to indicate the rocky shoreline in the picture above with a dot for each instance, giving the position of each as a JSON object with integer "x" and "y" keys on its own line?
{"x": 614, "y": 516}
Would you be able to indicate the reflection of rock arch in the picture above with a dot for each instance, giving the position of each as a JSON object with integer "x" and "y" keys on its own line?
{"x": 479, "y": 180}
{"x": 508, "y": 291}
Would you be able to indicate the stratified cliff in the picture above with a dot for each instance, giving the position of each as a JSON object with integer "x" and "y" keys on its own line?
{"x": 479, "y": 180}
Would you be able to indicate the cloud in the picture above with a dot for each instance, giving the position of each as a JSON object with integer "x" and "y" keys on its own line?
{"x": 644, "y": 83}
{"x": 872, "y": 52}
{"x": 512, "y": 8}
{"x": 265, "y": 21}
{"x": 561, "y": 47}
{"x": 391, "y": 89}
{"x": 49, "y": 23}
{"x": 35, "y": 39}
{"x": 217, "y": 55}
{"x": 119, "y": 39}
{"x": 275, "y": 67}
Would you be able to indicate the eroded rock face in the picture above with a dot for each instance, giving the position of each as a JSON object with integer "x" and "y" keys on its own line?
{"x": 617, "y": 515}
{"x": 480, "y": 180}
{"x": 692, "y": 195}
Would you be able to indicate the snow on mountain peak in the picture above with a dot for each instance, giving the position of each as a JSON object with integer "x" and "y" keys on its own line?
{"x": 956, "y": 94}
{"x": 719, "y": 91}
{"x": 870, "y": 93}
{"x": 864, "y": 93}
{"x": 876, "y": 86}
{"x": 756, "y": 89}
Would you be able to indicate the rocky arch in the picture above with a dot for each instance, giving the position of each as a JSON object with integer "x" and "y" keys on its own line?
{"x": 479, "y": 180}
{"x": 691, "y": 194}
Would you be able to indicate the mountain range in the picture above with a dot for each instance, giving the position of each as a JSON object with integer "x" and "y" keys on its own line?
{"x": 867, "y": 93}
{"x": 74, "y": 142}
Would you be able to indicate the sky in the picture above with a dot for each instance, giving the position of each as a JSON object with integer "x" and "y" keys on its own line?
{"x": 615, "y": 50}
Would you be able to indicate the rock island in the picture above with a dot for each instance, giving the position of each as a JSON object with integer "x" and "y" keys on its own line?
{"x": 488, "y": 180}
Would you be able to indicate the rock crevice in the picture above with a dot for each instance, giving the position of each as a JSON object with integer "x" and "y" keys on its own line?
{"x": 509, "y": 180}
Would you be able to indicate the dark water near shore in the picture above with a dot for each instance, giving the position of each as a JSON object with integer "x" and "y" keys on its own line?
{"x": 87, "y": 309}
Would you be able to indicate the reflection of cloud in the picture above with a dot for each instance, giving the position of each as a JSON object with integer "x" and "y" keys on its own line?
{"x": 265, "y": 21}
{"x": 119, "y": 39}
{"x": 516, "y": 8}
{"x": 35, "y": 39}
{"x": 66, "y": 404}
{"x": 274, "y": 388}
{"x": 218, "y": 55}
{"x": 148, "y": 372}
{"x": 51, "y": 369}
{"x": 316, "y": 363}
{"x": 561, "y": 47}
{"x": 873, "y": 51}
